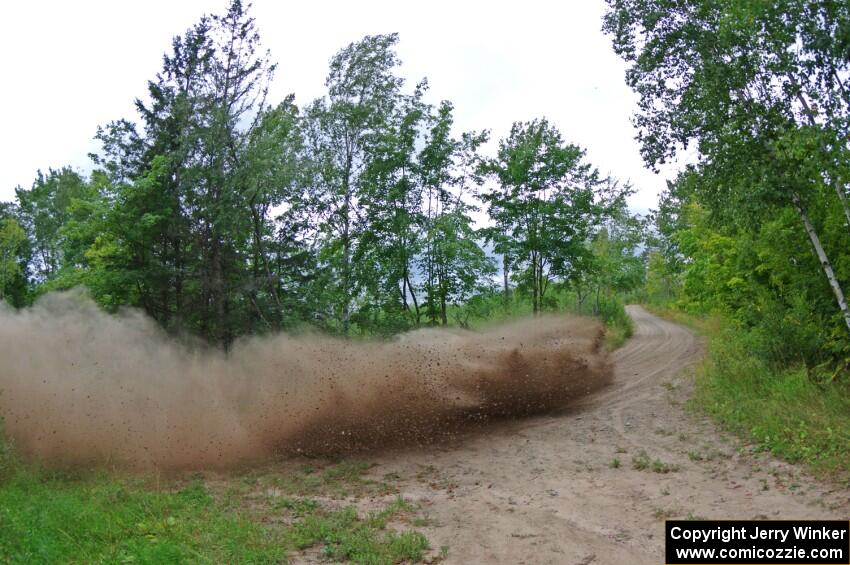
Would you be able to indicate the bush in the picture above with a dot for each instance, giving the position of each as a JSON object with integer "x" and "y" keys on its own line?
{"x": 612, "y": 311}
{"x": 782, "y": 409}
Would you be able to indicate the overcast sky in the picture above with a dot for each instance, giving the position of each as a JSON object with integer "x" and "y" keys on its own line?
{"x": 70, "y": 66}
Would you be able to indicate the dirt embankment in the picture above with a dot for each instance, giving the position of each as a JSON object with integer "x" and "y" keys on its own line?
{"x": 81, "y": 386}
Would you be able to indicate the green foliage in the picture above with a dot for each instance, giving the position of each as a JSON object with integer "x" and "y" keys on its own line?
{"x": 762, "y": 277}
{"x": 757, "y": 88}
{"x": 221, "y": 214}
{"x": 546, "y": 207}
{"x": 788, "y": 410}
{"x": 12, "y": 247}
{"x": 43, "y": 211}
{"x": 46, "y": 519}
{"x": 618, "y": 323}
{"x": 489, "y": 308}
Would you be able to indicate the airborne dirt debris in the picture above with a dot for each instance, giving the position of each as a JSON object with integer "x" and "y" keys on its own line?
{"x": 84, "y": 387}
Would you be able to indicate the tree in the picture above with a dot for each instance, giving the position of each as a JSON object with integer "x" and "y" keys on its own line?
{"x": 759, "y": 86}
{"x": 452, "y": 264}
{"x": 545, "y": 207}
{"x": 184, "y": 198}
{"x": 665, "y": 260}
{"x": 221, "y": 214}
{"x": 391, "y": 199}
{"x": 270, "y": 172}
{"x": 44, "y": 209}
{"x": 615, "y": 264}
{"x": 339, "y": 129}
{"x": 12, "y": 246}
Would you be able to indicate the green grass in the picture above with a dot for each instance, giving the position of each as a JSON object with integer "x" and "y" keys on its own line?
{"x": 344, "y": 535}
{"x": 55, "y": 519}
{"x": 346, "y": 478}
{"x": 642, "y": 462}
{"x": 86, "y": 517}
{"x": 702, "y": 325}
{"x": 780, "y": 410}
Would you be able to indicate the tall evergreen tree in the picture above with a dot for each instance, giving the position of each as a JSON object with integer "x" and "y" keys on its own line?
{"x": 183, "y": 216}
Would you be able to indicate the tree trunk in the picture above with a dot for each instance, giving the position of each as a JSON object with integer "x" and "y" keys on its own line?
{"x": 506, "y": 274}
{"x": 178, "y": 287}
{"x": 839, "y": 190}
{"x": 260, "y": 253}
{"x": 598, "y": 309}
{"x": 346, "y": 283}
{"x": 431, "y": 288}
{"x": 220, "y": 306}
{"x": 403, "y": 293}
{"x": 824, "y": 261}
{"x": 444, "y": 317}
{"x": 346, "y": 249}
{"x": 535, "y": 290}
{"x": 412, "y": 295}
{"x": 540, "y": 282}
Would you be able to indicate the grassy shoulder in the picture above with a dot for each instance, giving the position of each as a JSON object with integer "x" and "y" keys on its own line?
{"x": 483, "y": 312}
{"x": 781, "y": 410}
{"x": 619, "y": 326}
{"x": 49, "y": 517}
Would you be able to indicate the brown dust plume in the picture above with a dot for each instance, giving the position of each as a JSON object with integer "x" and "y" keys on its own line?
{"x": 79, "y": 386}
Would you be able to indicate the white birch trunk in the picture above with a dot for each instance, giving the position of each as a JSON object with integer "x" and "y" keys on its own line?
{"x": 824, "y": 261}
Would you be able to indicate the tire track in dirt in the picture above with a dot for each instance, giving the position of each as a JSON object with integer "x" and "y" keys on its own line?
{"x": 547, "y": 490}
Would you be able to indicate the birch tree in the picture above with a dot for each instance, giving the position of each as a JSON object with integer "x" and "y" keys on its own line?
{"x": 759, "y": 87}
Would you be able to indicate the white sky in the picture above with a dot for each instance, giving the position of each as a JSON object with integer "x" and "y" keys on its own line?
{"x": 70, "y": 66}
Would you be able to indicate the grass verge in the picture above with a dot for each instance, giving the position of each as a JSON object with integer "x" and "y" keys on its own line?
{"x": 346, "y": 536}
{"x": 62, "y": 519}
{"x": 50, "y": 517}
{"x": 782, "y": 411}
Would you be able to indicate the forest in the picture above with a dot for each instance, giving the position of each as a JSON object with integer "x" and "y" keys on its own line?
{"x": 222, "y": 213}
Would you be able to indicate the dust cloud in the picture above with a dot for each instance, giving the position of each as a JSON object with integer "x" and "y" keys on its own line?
{"x": 79, "y": 386}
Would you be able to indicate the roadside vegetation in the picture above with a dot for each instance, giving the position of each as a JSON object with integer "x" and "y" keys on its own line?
{"x": 76, "y": 516}
{"x": 607, "y": 306}
{"x": 791, "y": 411}
{"x": 753, "y": 235}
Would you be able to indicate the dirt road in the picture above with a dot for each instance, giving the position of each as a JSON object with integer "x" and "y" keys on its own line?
{"x": 567, "y": 489}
